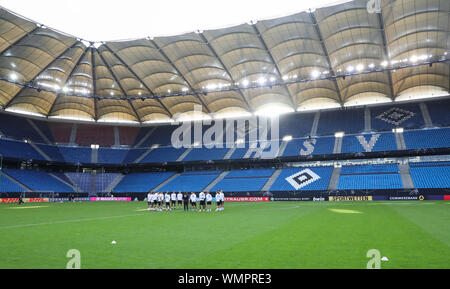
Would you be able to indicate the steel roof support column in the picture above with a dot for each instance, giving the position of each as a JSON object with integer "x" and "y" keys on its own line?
{"x": 180, "y": 74}
{"x": 327, "y": 56}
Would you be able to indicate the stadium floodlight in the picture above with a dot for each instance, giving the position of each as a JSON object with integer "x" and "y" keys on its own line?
{"x": 239, "y": 141}
{"x": 155, "y": 146}
{"x": 397, "y": 130}
{"x": 360, "y": 67}
{"x": 262, "y": 80}
{"x": 339, "y": 134}
{"x": 13, "y": 76}
{"x": 245, "y": 82}
{"x": 287, "y": 138}
{"x": 384, "y": 63}
{"x": 413, "y": 58}
{"x": 94, "y": 146}
{"x": 315, "y": 73}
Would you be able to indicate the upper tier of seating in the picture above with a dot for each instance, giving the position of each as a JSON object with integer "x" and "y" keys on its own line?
{"x": 363, "y": 142}
{"x": 349, "y": 120}
{"x": 365, "y": 130}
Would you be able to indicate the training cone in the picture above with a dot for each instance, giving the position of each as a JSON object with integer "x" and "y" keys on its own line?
{"x": 384, "y": 259}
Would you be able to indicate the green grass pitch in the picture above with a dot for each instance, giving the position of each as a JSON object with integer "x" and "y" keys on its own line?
{"x": 245, "y": 235}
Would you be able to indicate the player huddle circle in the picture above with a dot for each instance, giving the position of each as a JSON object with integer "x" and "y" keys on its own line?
{"x": 159, "y": 201}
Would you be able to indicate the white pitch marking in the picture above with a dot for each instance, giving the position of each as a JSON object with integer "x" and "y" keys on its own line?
{"x": 30, "y": 207}
{"x": 68, "y": 221}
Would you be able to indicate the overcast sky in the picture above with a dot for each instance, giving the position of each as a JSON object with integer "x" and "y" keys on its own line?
{"x": 102, "y": 20}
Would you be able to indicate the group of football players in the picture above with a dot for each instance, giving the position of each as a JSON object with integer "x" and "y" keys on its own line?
{"x": 159, "y": 201}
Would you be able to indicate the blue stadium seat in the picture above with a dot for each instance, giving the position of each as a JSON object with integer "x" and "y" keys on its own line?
{"x": 322, "y": 145}
{"x": 269, "y": 151}
{"x": 381, "y": 142}
{"x": 76, "y": 154}
{"x": 190, "y": 181}
{"x": 430, "y": 174}
{"x": 133, "y": 154}
{"x": 385, "y": 118}
{"x": 8, "y": 186}
{"x": 370, "y": 177}
{"x": 19, "y": 150}
{"x": 163, "y": 154}
{"x": 244, "y": 180}
{"x": 203, "y": 153}
{"x": 103, "y": 181}
{"x": 82, "y": 180}
{"x": 296, "y": 125}
{"x": 438, "y": 111}
{"x": 321, "y": 183}
{"x": 428, "y": 138}
{"x": 19, "y": 128}
{"x": 39, "y": 181}
{"x": 141, "y": 182}
{"x": 52, "y": 151}
{"x": 161, "y": 136}
{"x": 111, "y": 156}
{"x": 346, "y": 120}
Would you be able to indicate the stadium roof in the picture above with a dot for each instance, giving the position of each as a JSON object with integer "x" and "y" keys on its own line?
{"x": 345, "y": 54}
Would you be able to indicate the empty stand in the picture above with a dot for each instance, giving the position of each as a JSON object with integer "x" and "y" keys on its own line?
{"x": 191, "y": 181}
{"x": 18, "y": 128}
{"x": 369, "y": 143}
{"x": 309, "y": 146}
{"x": 39, "y": 181}
{"x": 296, "y": 125}
{"x": 163, "y": 154}
{"x": 408, "y": 116}
{"x": 304, "y": 179}
{"x": 439, "y": 112}
{"x": 141, "y": 182}
{"x": 244, "y": 180}
{"x": 128, "y": 135}
{"x": 198, "y": 154}
{"x": 52, "y": 151}
{"x": 19, "y": 150}
{"x": 111, "y": 156}
{"x": 429, "y": 138}
{"x": 370, "y": 177}
{"x": 8, "y": 186}
{"x": 61, "y": 131}
{"x": 347, "y": 120}
{"x": 102, "y": 135}
{"x": 76, "y": 154}
{"x": 430, "y": 174}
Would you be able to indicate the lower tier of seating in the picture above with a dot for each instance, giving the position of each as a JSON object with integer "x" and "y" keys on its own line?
{"x": 430, "y": 175}
{"x": 370, "y": 177}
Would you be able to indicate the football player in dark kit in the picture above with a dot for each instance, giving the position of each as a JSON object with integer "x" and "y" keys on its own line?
{"x": 20, "y": 201}
{"x": 186, "y": 201}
